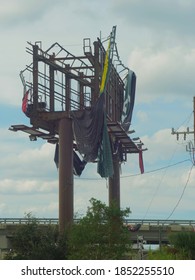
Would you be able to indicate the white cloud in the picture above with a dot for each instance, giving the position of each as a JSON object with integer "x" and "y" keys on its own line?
{"x": 2, "y": 207}
{"x": 162, "y": 146}
{"x": 44, "y": 210}
{"x": 160, "y": 17}
{"x": 142, "y": 116}
{"x": 19, "y": 155}
{"x": 17, "y": 12}
{"x": 166, "y": 73}
{"x": 17, "y": 187}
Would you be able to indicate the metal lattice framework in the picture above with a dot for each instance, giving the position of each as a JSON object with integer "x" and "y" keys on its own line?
{"x": 60, "y": 82}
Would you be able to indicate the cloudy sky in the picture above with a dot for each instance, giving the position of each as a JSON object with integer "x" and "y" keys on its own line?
{"x": 156, "y": 40}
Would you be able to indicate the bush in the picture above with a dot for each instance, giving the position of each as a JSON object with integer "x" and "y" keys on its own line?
{"x": 100, "y": 234}
{"x": 182, "y": 248}
{"x": 184, "y": 243}
{"x": 165, "y": 253}
{"x": 32, "y": 241}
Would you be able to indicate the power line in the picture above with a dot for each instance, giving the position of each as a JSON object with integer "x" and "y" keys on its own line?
{"x": 157, "y": 169}
{"x": 191, "y": 149}
{"x": 187, "y": 120}
{"x": 138, "y": 174}
{"x": 188, "y": 178}
{"x": 159, "y": 184}
{"x": 165, "y": 170}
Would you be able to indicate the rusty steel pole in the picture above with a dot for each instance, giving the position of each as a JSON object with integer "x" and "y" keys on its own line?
{"x": 65, "y": 174}
{"x": 114, "y": 183}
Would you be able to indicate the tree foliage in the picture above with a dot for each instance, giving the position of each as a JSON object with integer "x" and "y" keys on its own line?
{"x": 184, "y": 244}
{"x": 164, "y": 253}
{"x": 32, "y": 241}
{"x": 100, "y": 234}
{"x": 182, "y": 247}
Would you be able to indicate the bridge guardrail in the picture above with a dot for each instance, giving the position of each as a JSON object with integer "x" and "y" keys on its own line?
{"x": 26, "y": 220}
{"x": 127, "y": 221}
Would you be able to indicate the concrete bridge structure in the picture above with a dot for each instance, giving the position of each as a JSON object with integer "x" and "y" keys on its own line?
{"x": 150, "y": 231}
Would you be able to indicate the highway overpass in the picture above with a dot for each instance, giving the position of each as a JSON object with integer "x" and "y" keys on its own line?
{"x": 150, "y": 231}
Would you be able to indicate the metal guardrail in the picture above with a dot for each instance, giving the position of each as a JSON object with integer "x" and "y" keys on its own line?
{"x": 26, "y": 220}
{"x": 127, "y": 221}
{"x": 160, "y": 222}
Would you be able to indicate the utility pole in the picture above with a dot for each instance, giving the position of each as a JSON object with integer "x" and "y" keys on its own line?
{"x": 191, "y": 146}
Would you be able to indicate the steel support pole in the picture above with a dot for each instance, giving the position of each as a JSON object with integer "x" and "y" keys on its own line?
{"x": 65, "y": 174}
{"x": 114, "y": 183}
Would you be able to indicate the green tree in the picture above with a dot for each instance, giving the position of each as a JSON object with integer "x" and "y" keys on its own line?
{"x": 32, "y": 241}
{"x": 182, "y": 247}
{"x": 184, "y": 244}
{"x": 101, "y": 234}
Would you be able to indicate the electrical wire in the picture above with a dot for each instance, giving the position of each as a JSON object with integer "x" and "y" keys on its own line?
{"x": 159, "y": 184}
{"x": 181, "y": 196}
{"x": 157, "y": 169}
{"x": 138, "y": 174}
{"x": 187, "y": 120}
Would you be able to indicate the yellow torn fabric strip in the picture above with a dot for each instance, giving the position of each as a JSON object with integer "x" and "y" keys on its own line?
{"x": 105, "y": 70}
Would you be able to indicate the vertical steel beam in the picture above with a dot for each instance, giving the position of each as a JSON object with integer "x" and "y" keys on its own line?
{"x": 114, "y": 183}
{"x": 96, "y": 80}
{"x": 35, "y": 79}
{"x": 51, "y": 96}
{"x": 68, "y": 91}
{"x": 65, "y": 174}
{"x": 81, "y": 92}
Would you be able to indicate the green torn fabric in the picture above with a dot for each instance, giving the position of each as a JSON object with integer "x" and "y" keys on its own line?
{"x": 105, "y": 163}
